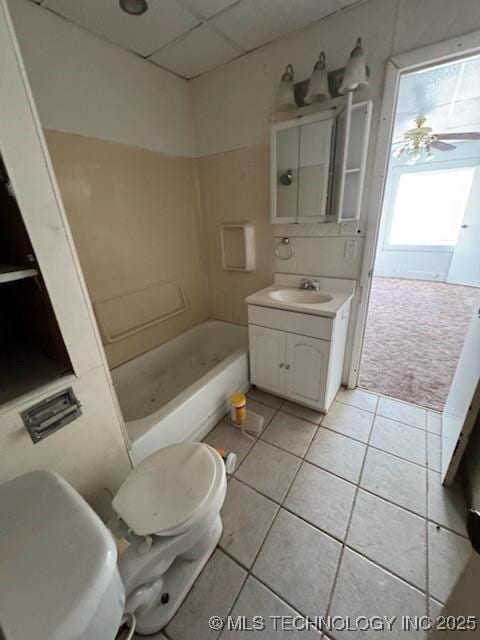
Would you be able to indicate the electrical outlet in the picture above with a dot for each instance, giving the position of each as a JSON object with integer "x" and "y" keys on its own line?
{"x": 350, "y": 248}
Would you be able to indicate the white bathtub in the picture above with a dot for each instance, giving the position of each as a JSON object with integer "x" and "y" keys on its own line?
{"x": 179, "y": 390}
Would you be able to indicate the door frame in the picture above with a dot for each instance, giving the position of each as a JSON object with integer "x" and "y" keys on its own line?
{"x": 446, "y": 51}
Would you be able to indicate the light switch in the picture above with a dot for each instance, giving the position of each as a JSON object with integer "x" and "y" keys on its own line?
{"x": 350, "y": 248}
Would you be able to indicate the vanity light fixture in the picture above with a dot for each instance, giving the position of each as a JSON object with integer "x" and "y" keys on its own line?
{"x": 134, "y": 7}
{"x": 356, "y": 71}
{"x": 318, "y": 86}
{"x": 286, "y": 90}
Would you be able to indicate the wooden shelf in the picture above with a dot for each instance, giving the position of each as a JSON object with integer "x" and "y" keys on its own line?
{"x": 9, "y": 273}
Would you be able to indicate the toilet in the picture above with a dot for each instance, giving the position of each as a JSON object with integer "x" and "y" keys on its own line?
{"x": 60, "y": 562}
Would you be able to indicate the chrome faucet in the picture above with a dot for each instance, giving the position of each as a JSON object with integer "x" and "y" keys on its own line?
{"x": 310, "y": 285}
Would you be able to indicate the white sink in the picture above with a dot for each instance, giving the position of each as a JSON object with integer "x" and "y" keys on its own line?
{"x": 299, "y": 296}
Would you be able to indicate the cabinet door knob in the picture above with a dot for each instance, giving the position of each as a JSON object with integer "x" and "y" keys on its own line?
{"x": 287, "y": 366}
{"x": 281, "y": 365}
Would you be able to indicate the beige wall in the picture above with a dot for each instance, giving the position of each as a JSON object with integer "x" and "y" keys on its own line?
{"x": 135, "y": 220}
{"x": 234, "y": 188}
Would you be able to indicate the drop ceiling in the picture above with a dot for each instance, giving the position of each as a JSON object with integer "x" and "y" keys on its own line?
{"x": 190, "y": 37}
{"x": 447, "y": 95}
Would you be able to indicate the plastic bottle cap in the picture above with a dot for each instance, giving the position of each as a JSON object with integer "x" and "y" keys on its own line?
{"x": 238, "y": 399}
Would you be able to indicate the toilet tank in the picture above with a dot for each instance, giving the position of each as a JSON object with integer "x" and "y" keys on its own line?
{"x": 58, "y": 564}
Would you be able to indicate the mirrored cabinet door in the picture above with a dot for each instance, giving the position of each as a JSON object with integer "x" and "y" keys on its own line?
{"x": 286, "y": 173}
{"x": 314, "y": 169}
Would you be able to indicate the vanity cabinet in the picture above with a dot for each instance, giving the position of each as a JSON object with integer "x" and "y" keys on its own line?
{"x": 303, "y": 363}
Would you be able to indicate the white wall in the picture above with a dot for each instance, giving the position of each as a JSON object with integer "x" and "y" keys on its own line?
{"x": 90, "y": 452}
{"x": 87, "y": 86}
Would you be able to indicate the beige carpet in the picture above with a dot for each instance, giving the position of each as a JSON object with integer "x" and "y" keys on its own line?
{"x": 414, "y": 336}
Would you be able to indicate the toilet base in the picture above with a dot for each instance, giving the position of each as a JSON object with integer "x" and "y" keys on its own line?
{"x": 178, "y": 580}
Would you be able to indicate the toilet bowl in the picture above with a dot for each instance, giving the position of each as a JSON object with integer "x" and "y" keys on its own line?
{"x": 59, "y": 561}
{"x": 168, "y": 510}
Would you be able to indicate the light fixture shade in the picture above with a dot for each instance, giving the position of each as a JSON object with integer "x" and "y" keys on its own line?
{"x": 134, "y": 7}
{"x": 318, "y": 86}
{"x": 286, "y": 90}
{"x": 356, "y": 71}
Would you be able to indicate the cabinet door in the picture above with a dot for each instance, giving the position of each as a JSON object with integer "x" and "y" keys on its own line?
{"x": 306, "y": 369}
{"x": 267, "y": 358}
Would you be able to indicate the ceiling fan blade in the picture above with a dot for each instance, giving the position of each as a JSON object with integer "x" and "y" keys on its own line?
{"x": 442, "y": 146}
{"x": 468, "y": 135}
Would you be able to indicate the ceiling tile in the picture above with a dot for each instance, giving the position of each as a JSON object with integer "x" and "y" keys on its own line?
{"x": 198, "y": 51}
{"x": 251, "y": 23}
{"x": 208, "y": 8}
{"x": 164, "y": 21}
{"x": 346, "y": 3}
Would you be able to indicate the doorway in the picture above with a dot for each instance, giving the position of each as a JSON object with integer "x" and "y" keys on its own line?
{"x": 426, "y": 276}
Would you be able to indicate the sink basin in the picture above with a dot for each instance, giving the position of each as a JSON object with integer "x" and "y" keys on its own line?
{"x": 299, "y": 296}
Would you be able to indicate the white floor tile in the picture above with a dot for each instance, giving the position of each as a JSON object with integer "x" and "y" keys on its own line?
{"x": 337, "y": 453}
{"x": 358, "y": 398}
{"x": 265, "y": 398}
{"x": 403, "y": 412}
{"x": 363, "y": 589}
{"x": 247, "y": 516}
{"x": 434, "y": 422}
{"x": 446, "y": 505}
{"x": 269, "y": 470}
{"x": 224, "y": 436}
{"x": 434, "y": 448}
{"x": 390, "y": 536}
{"x": 290, "y": 433}
{"x": 349, "y": 421}
{"x": 256, "y": 600}
{"x": 401, "y": 440}
{"x": 322, "y": 499}
{"x": 396, "y": 480}
{"x": 299, "y": 563}
{"x": 302, "y": 412}
{"x": 447, "y": 555}
{"x": 213, "y": 594}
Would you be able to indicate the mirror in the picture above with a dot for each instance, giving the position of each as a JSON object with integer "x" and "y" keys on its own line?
{"x": 300, "y": 174}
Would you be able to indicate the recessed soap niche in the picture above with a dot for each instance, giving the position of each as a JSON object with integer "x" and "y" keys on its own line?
{"x": 237, "y": 242}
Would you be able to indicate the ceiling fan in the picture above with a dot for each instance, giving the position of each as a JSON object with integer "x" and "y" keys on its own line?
{"x": 419, "y": 141}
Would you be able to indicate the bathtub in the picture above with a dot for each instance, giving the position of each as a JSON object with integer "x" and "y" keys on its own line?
{"x": 180, "y": 390}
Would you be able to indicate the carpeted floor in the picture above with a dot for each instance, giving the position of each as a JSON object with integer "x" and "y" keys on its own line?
{"x": 413, "y": 339}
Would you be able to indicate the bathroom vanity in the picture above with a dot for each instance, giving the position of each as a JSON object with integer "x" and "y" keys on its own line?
{"x": 297, "y": 337}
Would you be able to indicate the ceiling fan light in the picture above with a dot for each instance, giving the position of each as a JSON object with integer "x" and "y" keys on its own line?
{"x": 134, "y": 7}
{"x": 356, "y": 70}
{"x": 286, "y": 91}
{"x": 318, "y": 86}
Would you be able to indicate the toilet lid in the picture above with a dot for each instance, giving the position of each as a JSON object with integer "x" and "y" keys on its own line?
{"x": 168, "y": 488}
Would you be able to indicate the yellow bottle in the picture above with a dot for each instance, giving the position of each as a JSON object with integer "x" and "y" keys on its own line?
{"x": 238, "y": 409}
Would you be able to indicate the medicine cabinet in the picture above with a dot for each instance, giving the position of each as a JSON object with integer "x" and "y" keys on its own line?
{"x": 32, "y": 351}
{"x": 318, "y": 165}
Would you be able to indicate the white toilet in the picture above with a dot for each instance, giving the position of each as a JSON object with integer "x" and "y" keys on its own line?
{"x": 60, "y": 577}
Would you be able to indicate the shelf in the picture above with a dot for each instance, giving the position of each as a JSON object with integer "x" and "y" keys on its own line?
{"x": 9, "y": 273}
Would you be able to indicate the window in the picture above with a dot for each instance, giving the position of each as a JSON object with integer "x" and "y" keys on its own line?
{"x": 429, "y": 206}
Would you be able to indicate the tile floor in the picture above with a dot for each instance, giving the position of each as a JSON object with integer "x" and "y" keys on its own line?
{"x": 334, "y": 515}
